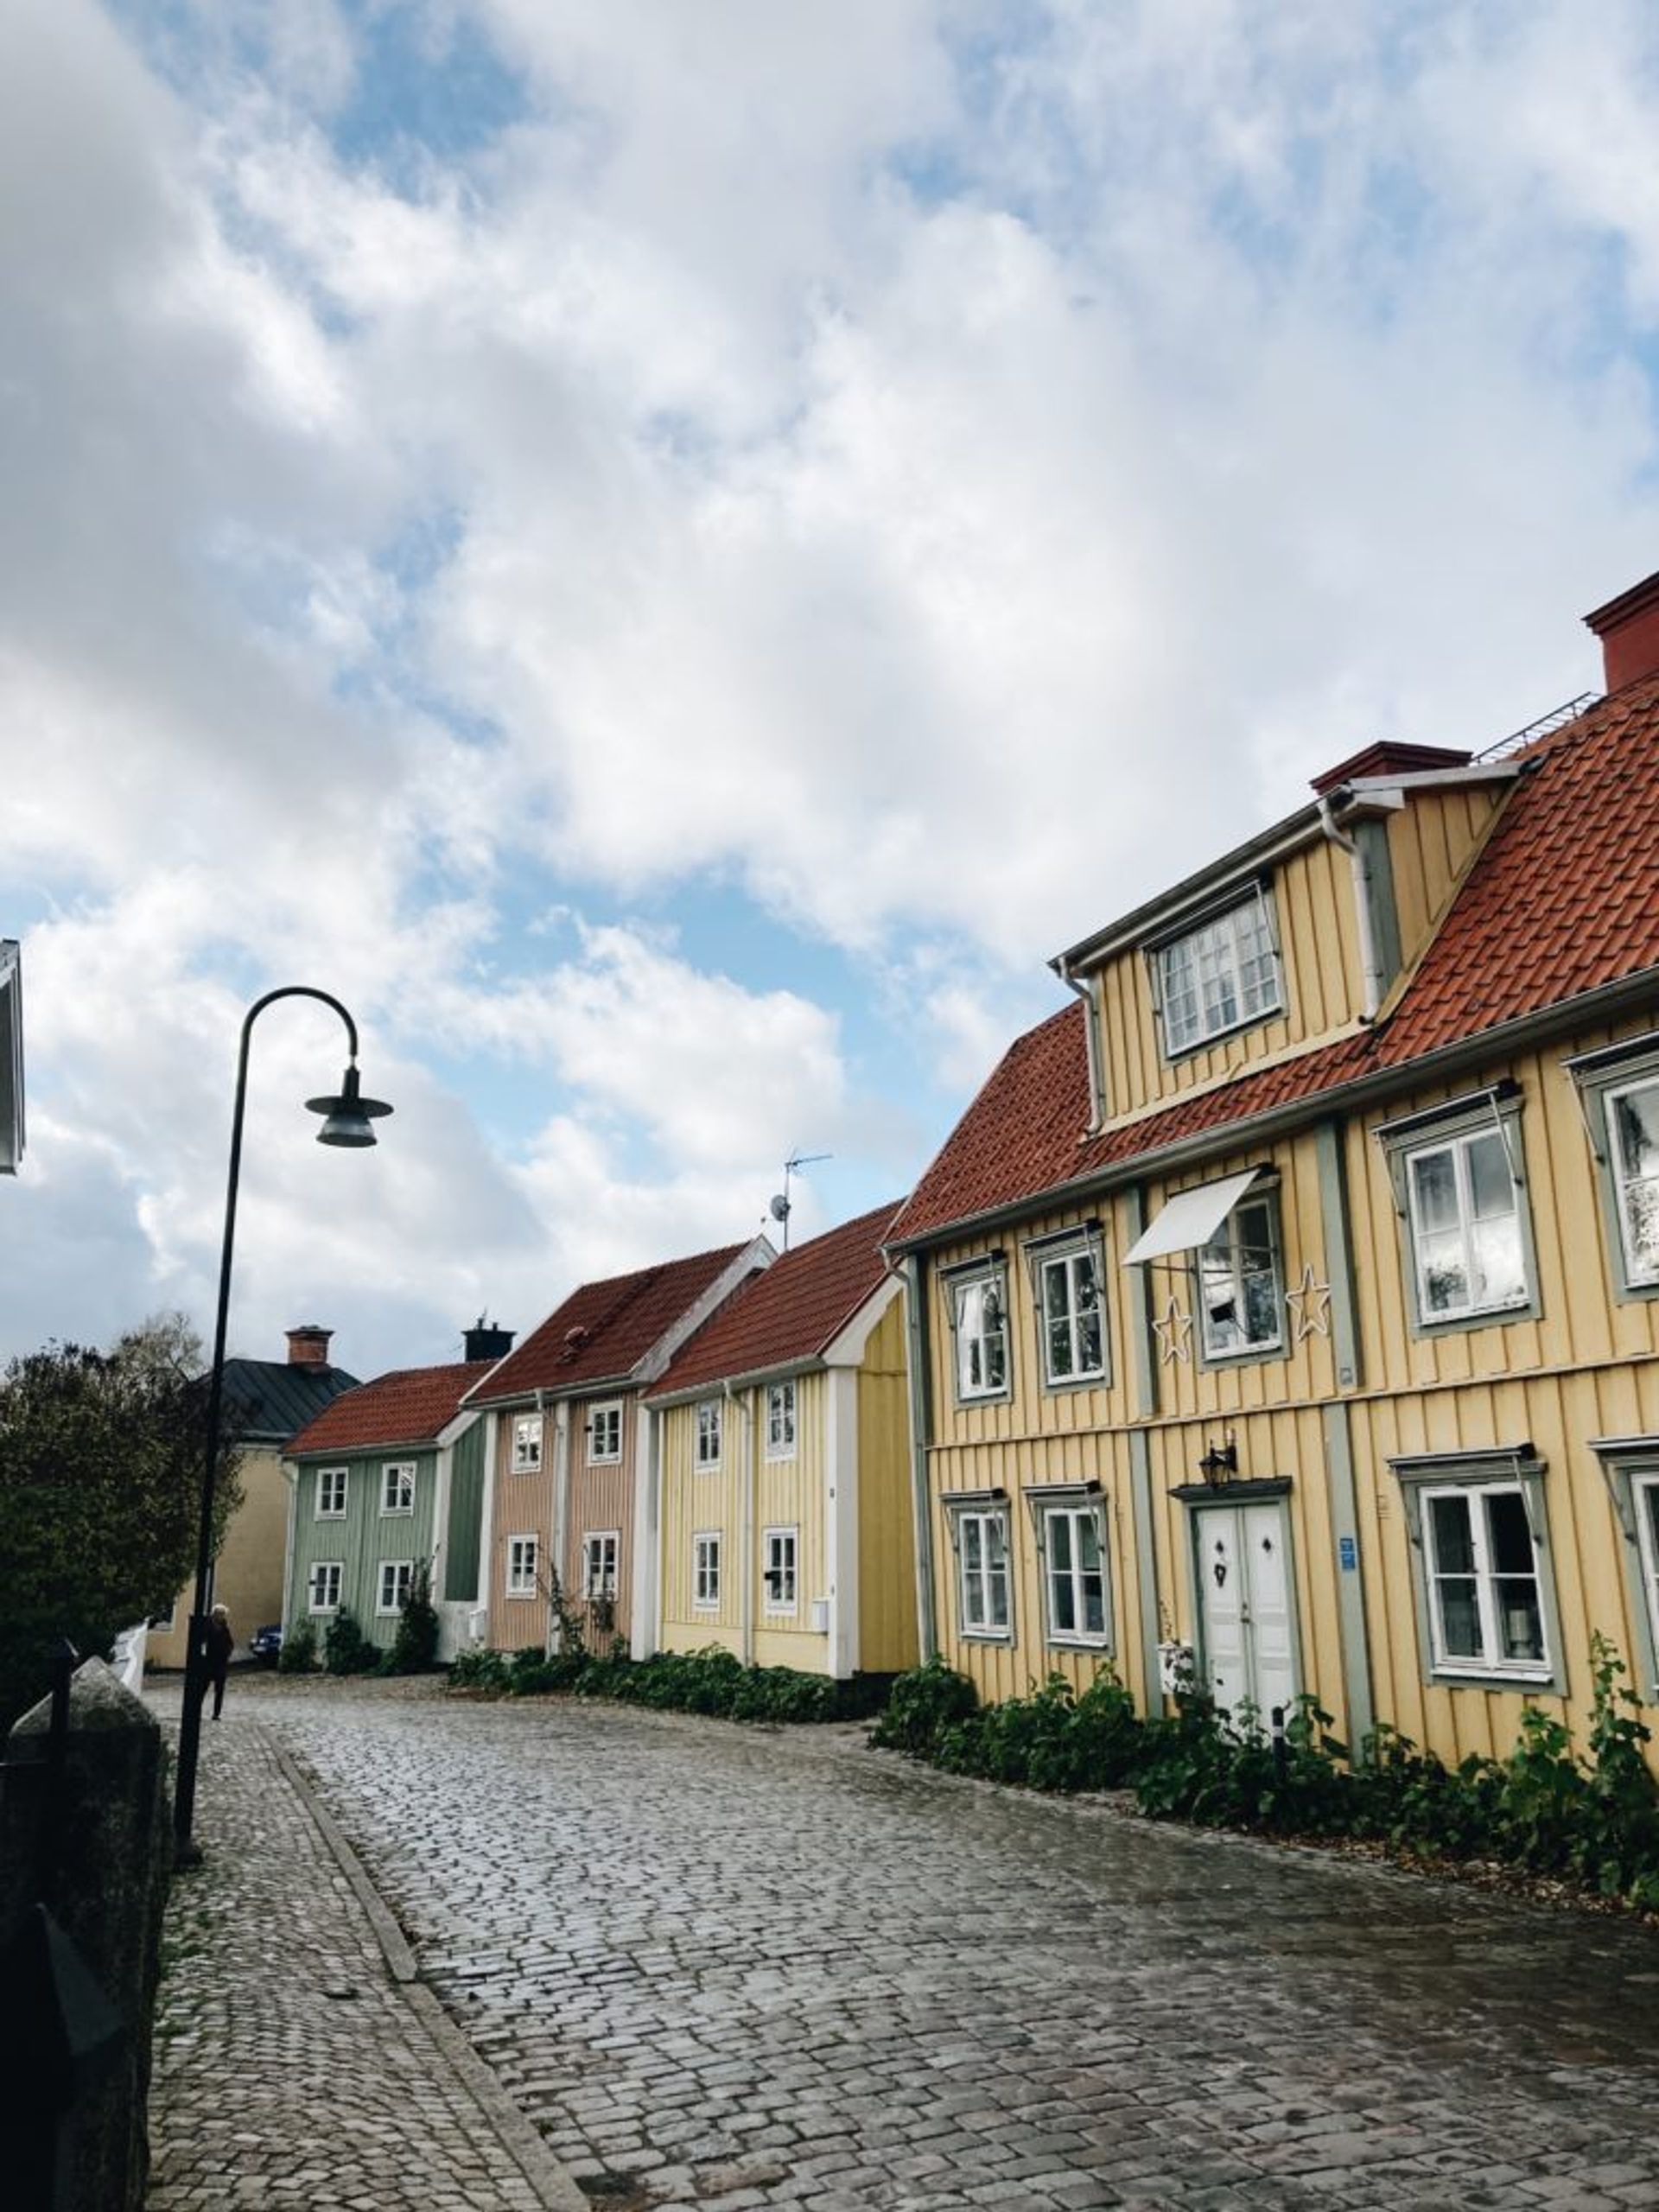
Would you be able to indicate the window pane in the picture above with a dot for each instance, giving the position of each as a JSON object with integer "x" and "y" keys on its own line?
{"x": 1508, "y": 1533}
{"x": 1059, "y": 1542}
{"x": 1064, "y": 1600}
{"x": 1500, "y": 1269}
{"x": 1635, "y": 1120}
{"x": 1459, "y": 1613}
{"x": 1434, "y": 1189}
{"x": 1451, "y": 1535}
{"x": 1094, "y": 1605}
{"x": 1059, "y": 1350}
{"x": 1520, "y": 1621}
{"x": 1491, "y": 1187}
{"x": 1444, "y": 1272}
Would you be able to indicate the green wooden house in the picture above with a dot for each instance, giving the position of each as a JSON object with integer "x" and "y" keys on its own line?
{"x": 387, "y": 1485}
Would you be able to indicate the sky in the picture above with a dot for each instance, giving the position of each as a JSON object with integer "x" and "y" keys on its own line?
{"x": 670, "y": 554}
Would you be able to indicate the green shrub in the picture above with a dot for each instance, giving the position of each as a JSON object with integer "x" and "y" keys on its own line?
{"x": 713, "y": 1681}
{"x": 346, "y": 1650}
{"x": 299, "y": 1652}
{"x": 414, "y": 1647}
{"x": 921, "y": 1705}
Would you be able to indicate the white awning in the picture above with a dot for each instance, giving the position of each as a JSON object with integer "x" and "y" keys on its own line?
{"x": 1191, "y": 1218}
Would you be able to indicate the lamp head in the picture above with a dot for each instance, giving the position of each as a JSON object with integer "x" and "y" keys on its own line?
{"x": 348, "y": 1117}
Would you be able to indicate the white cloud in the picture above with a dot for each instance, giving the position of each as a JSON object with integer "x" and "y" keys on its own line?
{"x": 938, "y": 473}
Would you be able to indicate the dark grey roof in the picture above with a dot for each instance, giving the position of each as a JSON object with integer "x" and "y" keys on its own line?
{"x": 268, "y": 1401}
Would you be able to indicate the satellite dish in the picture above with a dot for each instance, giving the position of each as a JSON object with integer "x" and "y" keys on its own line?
{"x": 779, "y": 1208}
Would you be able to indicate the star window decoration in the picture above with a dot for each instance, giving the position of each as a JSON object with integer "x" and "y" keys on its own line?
{"x": 1174, "y": 1330}
{"x": 1309, "y": 1307}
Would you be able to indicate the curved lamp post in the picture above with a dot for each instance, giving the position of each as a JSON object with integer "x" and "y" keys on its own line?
{"x": 348, "y": 1119}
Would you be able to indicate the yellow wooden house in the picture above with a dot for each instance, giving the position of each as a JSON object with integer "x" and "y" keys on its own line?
{"x": 1286, "y": 1309}
{"x": 784, "y": 1516}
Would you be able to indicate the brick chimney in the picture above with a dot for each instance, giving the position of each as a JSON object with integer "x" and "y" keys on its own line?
{"x": 1628, "y": 627}
{"x": 484, "y": 1340}
{"x": 1387, "y": 758}
{"x": 308, "y": 1346}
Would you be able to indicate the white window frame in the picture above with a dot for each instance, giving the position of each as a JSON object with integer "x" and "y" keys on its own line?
{"x": 523, "y": 1564}
{"x": 780, "y": 1577}
{"x": 333, "y": 1569}
{"x": 973, "y": 1519}
{"x": 781, "y": 1408}
{"x": 328, "y": 1479}
{"x": 1215, "y": 938}
{"x": 402, "y": 1571}
{"x": 599, "y": 1578}
{"x": 1630, "y": 1466}
{"x": 1477, "y": 1477}
{"x": 1078, "y": 1513}
{"x": 1261, "y": 1197}
{"x": 526, "y": 1444}
{"x": 709, "y": 1438}
{"x": 1492, "y": 1115}
{"x": 1603, "y": 1077}
{"x": 1062, "y": 1255}
{"x": 981, "y": 1285}
{"x": 705, "y": 1570}
{"x": 396, "y": 1503}
{"x": 609, "y": 1416}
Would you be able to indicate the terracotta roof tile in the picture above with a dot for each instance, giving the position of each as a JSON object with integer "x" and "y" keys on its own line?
{"x": 409, "y": 1406}
{"x": 1563, "y": 899}
{"x": 792, "y": 1312}
{"x": 603, "y": 1329}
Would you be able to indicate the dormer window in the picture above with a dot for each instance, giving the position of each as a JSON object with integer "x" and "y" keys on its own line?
{"x": 1221, "y": 975}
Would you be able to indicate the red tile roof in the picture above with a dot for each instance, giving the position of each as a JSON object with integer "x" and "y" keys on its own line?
{"x": 1563, "y": 900}
{"x": 604, "y": 1329}
{"x": 789, "y": 1313}
{"x": 409, "y": 1406}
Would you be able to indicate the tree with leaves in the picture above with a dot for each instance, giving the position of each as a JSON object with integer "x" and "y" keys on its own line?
{"x": 100, "y": 1486}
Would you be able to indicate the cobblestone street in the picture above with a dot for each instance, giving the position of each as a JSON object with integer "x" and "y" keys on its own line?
{"x": 725, "y": 1968}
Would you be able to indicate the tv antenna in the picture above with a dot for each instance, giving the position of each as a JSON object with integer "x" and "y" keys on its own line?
{"x": 782, "y": 1206}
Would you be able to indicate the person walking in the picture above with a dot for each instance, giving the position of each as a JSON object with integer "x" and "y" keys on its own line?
{"x": 221, "y": 1642}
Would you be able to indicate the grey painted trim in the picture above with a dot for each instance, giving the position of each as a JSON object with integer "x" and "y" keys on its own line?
{"x": 987, "y": 1502}
{"x": 1209, "y": 887}
{"x": 1263, "y": 1191}
{"x": 1042, "y": 1499}
{"x": 1629, "y": 993}
{"x": 1062, "y": 1244}
{"x": 962, "y": 1276}
{"x": 1518, "y": 1463}
{"x": 918, "y": 1381}
{"x": 1427, "y": 1132}
{"x": 1146, "y": 1563}
{"x": 1331, "y": 1161}
{"x": 1371, "y": 835}
{"x": 1597, "y": 1074}
{"x": 1256, "y": 1490}
{"x": 1138, "y": 1311}
{"x": 1624, "y": 1460}
{"x": 1350, "y": 1580}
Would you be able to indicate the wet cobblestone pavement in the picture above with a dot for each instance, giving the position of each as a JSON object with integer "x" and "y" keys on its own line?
{"x": 289, "y": 2069}
{"x": 724, "y": 1968}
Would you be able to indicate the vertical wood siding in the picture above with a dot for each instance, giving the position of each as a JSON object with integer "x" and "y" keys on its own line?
{"x": 1585, "y": 1366}
{"x": 602, "y": 1499}
{"x": 362, "y": 1539}
{"x": 523, "y": 1507}
{"x": 463, "y": 1536}
{"x": 1432, "y": 841}
{"x": 1323, "y": 988}
{"x": 887, "y": 1528}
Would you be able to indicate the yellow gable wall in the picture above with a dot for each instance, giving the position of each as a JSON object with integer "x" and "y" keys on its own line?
{"x": 248, "y": 1573}
{"x": 1313, "y": 901}
{"x": 1432, "y": 841}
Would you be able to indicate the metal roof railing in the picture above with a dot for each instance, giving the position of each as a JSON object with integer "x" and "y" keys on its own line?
{"x": 1557, "y": 718}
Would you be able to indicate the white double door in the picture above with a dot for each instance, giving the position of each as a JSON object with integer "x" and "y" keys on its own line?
{"x": 1244, "y": 1597}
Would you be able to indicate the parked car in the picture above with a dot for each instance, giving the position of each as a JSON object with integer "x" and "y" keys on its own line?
{"x": 266, "y": 1645}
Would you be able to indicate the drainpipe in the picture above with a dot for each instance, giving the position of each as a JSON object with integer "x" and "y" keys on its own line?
{"x": 560, "y": 1489}
{"x": 917, "y": 1355}
{"x": 745, "y": 1539}
{"x": 1084, "y": 990}
{"x": 1369, "y": 961}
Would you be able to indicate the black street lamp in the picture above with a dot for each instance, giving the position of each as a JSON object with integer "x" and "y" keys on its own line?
{"x": 348, "y": 1119}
